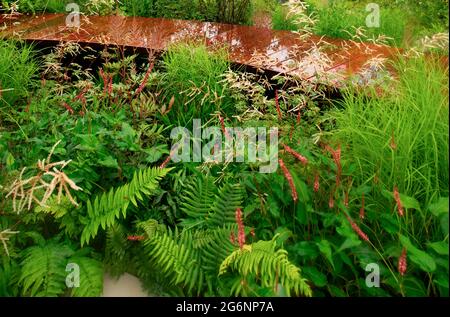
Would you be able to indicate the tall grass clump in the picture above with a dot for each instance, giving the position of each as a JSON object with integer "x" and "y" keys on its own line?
{"x": 17, "y": 70}
{"x": 281, "y": 21}
{"x": 341, "y": 19}
{"x": 401, "y": 138}
{"x": 193, "y": 77}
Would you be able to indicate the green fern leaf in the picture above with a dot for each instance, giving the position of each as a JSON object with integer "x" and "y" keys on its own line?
{"x": 43, "y": 269}
{"x": 270, "y": 266}
{"x": 91, "y": 277}
{"x": 105, "y": 209}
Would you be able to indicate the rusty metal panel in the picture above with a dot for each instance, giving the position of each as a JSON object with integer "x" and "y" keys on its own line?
{"x": 259, "y": 47}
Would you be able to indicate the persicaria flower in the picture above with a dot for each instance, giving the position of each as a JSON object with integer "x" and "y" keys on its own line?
{"x": 398, "y": 201}
{"x": 144, "y": 81}
{"x": 316, "y": 183}
{"x": 362, "y": 211}
{"x": 277, "y": 104}
{"x": 402, "y": 264}
{"x": 393, "y": 145}
{"x": 288, "y": 177}
{"x": 298, "y": 156}
{"x": 136, "y": 238}
{"x": 241, "y": 228}
{"x": 336, "y": 154}
{"x": 357, "y": 229}
{"x": 232, "y": 238}
{"x": 331, "y": 202}
{"x": 167, "y": 160}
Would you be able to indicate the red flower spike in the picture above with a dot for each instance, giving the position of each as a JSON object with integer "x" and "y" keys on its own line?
{"x": 241, "y": 228}
{"x": 68, "y": 108}
{"x": 298, "y": 156}
{"x": 393, "y": 145}
{"x": 316, "y": 183}
{"x": 144, "y": 81}
{"x": 346, "y": 199}
{"x": 336, "y": 154}
{"x": 362, "y": 211}
{"x": 331, "y": 202}
{"x": 357, "y": 229}
{"x": 277, "y": 104}
{"x": 288, "y": 177}
{"x": 299, "y": 116}
{"x": 398, "y": 201}
{"x": 402, "y": 263}
{"x": 167, "y": 160}
{"x": 136, "y": 238}
{"x": 232, "y": 238}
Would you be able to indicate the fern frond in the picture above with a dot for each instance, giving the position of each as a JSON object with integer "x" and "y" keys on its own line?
{"x": 116, "y": 249}
{"x": 209, "y": 206}
{"x": 43, "y": 269}
{"x": 229, "y": 198}
{"x": 174, "y": 255}
{"x": 150, "y": 227}
{"x": 270, "y": 266}
{"x": 198, "y": 197}
{"x": 110, "y": 206}
{"x": 215, "y": 248}
{"x": 91, "y": 277}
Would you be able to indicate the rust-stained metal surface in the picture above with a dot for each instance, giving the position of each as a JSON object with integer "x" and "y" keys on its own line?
{"x": 259, "y": 47}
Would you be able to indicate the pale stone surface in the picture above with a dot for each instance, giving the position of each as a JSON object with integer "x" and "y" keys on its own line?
{"x": 126, "y": 286}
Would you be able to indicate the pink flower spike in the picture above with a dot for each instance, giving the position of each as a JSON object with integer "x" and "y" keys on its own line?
{"x": 398, "y": 201}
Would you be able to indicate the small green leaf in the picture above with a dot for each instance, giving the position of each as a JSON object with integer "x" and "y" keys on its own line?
{"x": 306, "y": 249}
{"x": 440, "y": 207}
{"x": 325, "y": 249}
{"x": 349, "y": 243}
{"x": 108, "y": 161}
{"x": 440, "y": 247}
{"x": 318, "y": 278}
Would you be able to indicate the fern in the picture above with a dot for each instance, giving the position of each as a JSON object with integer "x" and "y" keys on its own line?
{"x": 116, "y": 250}
{"x": 91, "y": 277}
{"x": 110, "y": 206}
{"x": 270, "y": 266}
{"x": 177, "y": 259}
{"x": 208, "y": 206}
{"x": 43, "y": 269}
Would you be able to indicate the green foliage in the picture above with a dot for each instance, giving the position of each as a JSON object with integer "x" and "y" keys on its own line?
{"x": 270, "y": 265}
{"x": 183, "y": 224}
{"x": 415, "y": 118}
{"x": 280, "y": 20}
{"x": 108, "y": 207}
{"x": 17, "y": 71}
{"x": 44, "y": 270}
{"x": 207, "y": 206}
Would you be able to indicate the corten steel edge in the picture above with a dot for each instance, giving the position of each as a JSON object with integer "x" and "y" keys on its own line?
{"x": 256, "y": 47}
